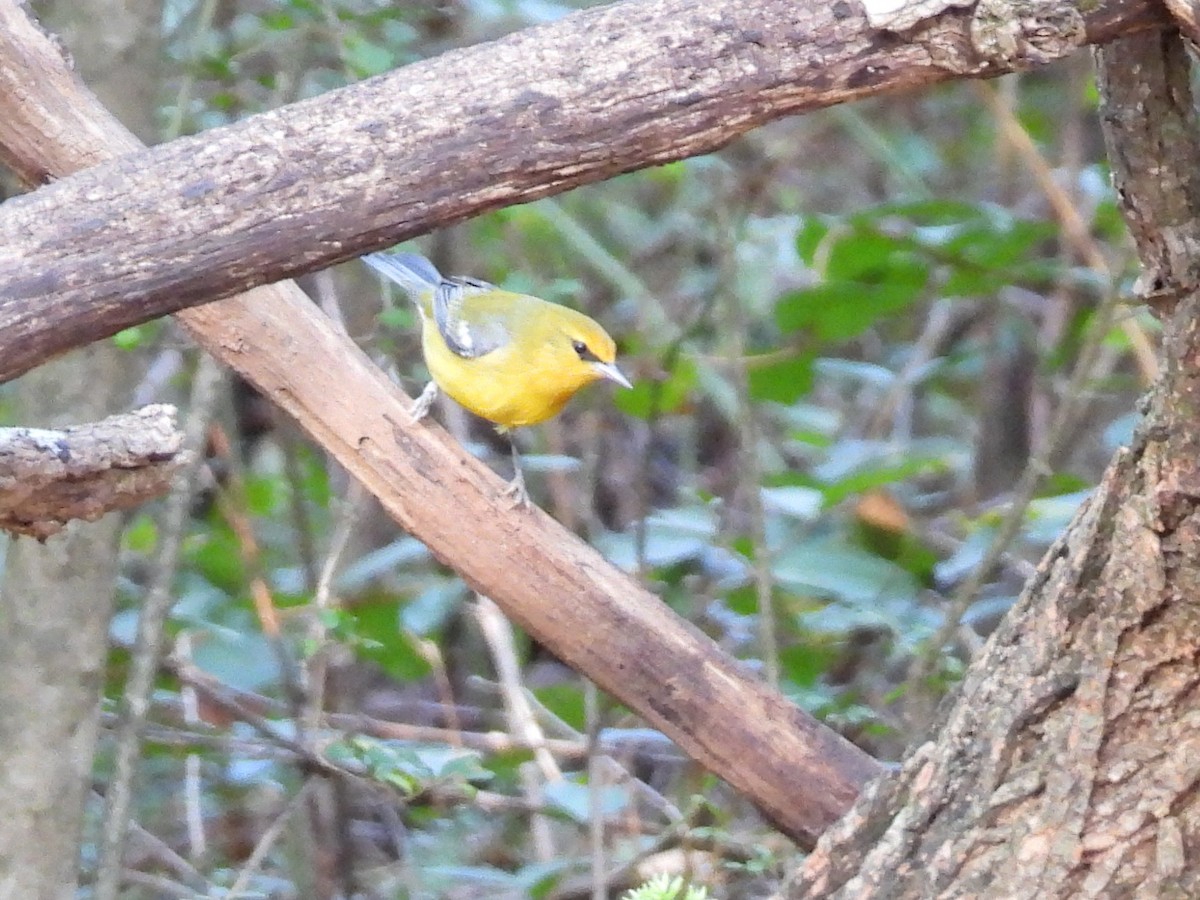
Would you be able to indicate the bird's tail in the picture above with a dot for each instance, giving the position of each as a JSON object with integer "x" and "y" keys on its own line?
{"x": 414, "y": 273}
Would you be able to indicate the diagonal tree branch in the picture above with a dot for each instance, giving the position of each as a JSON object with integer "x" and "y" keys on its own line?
{"x": 600, "y": 92}
{"x": 801, "y": 774}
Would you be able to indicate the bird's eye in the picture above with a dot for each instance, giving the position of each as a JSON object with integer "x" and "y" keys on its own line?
{"x": 580, "y": 348}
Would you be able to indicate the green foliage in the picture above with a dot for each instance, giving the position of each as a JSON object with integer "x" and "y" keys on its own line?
{"x": 378, "y": 638}
{"x": 412, "y": 770}
{"x": 667, "y": 887}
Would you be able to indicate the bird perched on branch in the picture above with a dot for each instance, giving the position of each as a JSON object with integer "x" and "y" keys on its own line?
{"x": 510, "y": 358}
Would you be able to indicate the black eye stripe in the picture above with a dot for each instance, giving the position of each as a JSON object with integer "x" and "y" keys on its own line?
{"x": 584, "y": 353}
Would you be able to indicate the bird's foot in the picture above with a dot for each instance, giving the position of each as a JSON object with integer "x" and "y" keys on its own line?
{"x": 421, "y": 406}
{"x": 517, "y": 493}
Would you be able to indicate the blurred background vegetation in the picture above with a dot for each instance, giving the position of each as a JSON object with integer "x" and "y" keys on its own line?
{"x": 878, "y": 359}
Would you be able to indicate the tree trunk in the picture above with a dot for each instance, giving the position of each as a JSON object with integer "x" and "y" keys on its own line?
{"x": 1068, "y": 764}
{"x": 56, "y": 597}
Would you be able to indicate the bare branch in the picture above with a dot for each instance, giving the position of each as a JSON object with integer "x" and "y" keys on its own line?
{"x": 601, "y": 92}
{"x": 49, "y": 477}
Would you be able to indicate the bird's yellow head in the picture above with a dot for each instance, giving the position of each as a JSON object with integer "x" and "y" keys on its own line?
{"x": 593, "y": 352}
{"x": 572, "y": 351}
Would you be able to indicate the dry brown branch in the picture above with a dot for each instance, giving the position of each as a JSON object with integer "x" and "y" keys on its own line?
{"x": 600, "y": 92}
{"x": 801, "y": 774}
{"x": 49, "y": 477}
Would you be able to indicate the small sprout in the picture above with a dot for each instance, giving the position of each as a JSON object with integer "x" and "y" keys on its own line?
{"x": 665, "y": 887}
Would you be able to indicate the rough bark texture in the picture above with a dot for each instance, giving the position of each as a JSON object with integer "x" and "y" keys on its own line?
{"x": 802, "y": 775}
{"x": 55, "y": 603}
{"x": 1069, "y": 763}
{"x": 56, "y": 598}
{"x": 601, "y": 92}
{"x": 50, "y": 477}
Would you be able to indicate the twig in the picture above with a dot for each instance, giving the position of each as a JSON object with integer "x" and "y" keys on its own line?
{"x": 591, "y": 705}
{"x": 574, "y": 749}
{"x": 267, "y": 841}
{"x": 229, "y": 701}
{"x": 939, "y": 322}
{"x": 165, "y": 855}
{"x": 1036, "y": 468}
{"x": 148, "y": 647}
{"x": 618, "y": 772}
{"x": 231, "y": 502}
{"x": 197, "y": 842}
{"x": 323, "y": 601}
{"x": 497, "y": 632}
{"x": 166, "y": 887}
{"x": 50, "y": 476}
{"x": 609, "y": 266}
{"x": 1075, "y": 230}
{"x": 203, "y": 23}
{"x": 441, "y": 677}
{"x": 749, "y": 437}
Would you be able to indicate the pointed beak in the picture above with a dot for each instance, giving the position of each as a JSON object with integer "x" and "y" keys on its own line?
{"x": 612, "y": 373}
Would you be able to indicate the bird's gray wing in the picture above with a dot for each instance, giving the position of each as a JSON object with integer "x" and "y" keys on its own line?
{"x": 468, "y": 339}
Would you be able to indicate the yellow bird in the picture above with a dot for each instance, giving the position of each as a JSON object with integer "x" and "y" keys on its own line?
{"x": 510, "y": 358}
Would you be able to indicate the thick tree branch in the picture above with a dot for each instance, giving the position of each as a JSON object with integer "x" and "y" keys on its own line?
{"x": 802, "y": 775}
{"x": 49, "y": 477}
{"x": 598, "y": 93}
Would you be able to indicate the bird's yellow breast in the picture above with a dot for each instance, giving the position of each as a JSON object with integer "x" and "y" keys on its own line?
{"x": 521, "y": 383}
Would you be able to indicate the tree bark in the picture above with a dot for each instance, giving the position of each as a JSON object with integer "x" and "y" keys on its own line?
{"x": 49, "y": 477}
{"x": 601, "y": 92}
{"x": 1069, "y": 763}
{"x": 56, "y": 598}
{"x": 801, "y": 774}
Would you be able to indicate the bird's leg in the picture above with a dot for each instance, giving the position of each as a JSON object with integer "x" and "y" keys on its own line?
{"x": 420, "y": 407}
{"x": 516, "y": 487}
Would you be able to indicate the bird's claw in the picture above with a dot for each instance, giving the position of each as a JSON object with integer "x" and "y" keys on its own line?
{"x": 517, "y": 493}
{"x": 422, "y": 405}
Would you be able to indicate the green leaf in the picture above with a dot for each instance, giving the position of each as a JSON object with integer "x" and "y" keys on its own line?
{"x": 427, "y": 612}
{"x": 795, "y": 501}
{"x": 672, "y": 536}
{"x": 565, "y": 700}
{"x": 785, "y": 381}
{"x": 809, "y": 238}
{"x": 264, "y": 494}
{"x": 575, "y": 799}
{"x": 648, "y": 398}
{"x": 1048, "y": 517}
{"x": 390, "y": 648}
{"x": 806, "y": 664}
{"x": 829, "y": 567}
{"x": 215, "y": 553}
{"x": 366, "y": 58}
{"x": 141, "y": 536}
{"x": 130, "y": 338}
{"x": 404, "y": 551}
{"x": 245, "y": 661}
{"x": 743, "y": 600}
{"x": 277, "y": 20}
{"x": 839, "y": 310}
